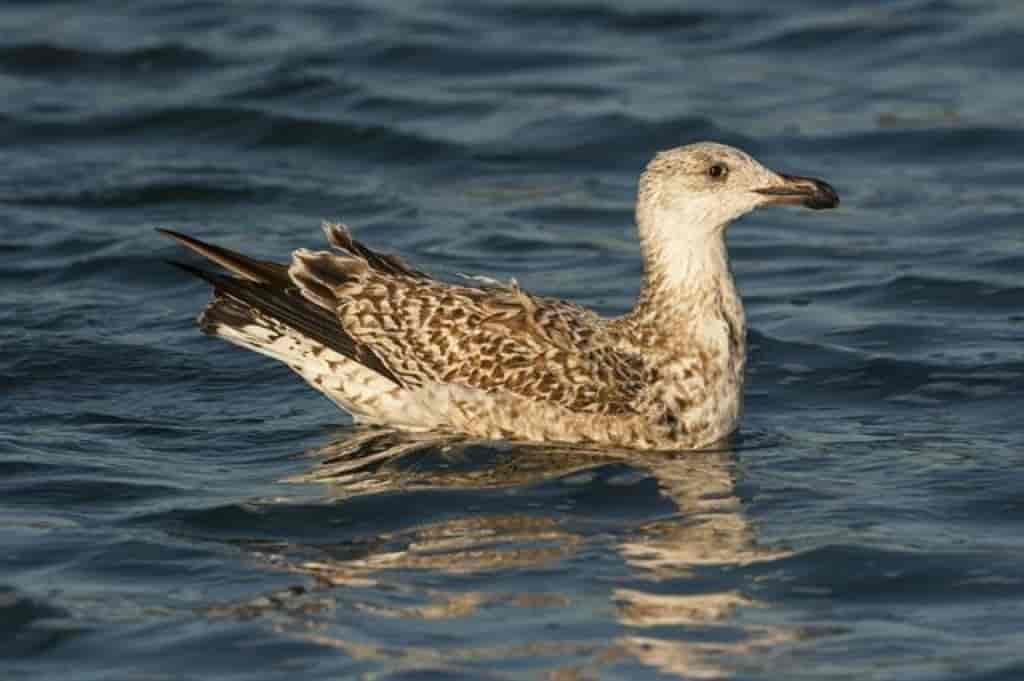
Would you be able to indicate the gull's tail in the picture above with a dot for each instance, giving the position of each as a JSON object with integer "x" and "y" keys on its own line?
{"x": 258, "y": 307}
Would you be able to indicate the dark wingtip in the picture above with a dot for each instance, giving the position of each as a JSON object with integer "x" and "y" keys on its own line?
{"x": 236, "y": 263}
{"x": 205, "y": 275}
{"x": 179, "y": 237}
{"x": 183, "y": 239}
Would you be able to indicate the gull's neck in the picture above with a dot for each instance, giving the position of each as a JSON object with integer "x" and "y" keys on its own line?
{"x": 686, "y": 266}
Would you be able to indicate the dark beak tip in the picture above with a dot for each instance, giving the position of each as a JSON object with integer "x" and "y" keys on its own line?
{"x": 806, "y": 191}
{"x": 823, "y": 197}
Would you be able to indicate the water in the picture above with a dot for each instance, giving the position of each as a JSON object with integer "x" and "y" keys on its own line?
{"x": 172, "y": 507}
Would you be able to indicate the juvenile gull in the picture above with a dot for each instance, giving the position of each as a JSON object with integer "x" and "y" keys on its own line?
{"x": 392, "y": 345}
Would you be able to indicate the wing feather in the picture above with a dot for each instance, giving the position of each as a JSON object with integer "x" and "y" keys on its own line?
{"x": 413, "y": 329}
{"x": 266, "y": 287}
{"x": 492, "y": 338}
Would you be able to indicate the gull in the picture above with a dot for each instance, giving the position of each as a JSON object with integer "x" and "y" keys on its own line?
{"x": 394, "y": 346}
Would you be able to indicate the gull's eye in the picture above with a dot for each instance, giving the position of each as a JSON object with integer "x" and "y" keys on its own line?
{"x": 718, "y": 171}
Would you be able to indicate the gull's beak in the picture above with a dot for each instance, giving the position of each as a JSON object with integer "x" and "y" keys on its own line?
{"x": 805, "y": 191}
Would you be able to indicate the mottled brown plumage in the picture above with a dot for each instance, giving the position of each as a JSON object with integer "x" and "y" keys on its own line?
{"x": 492, "y": 338}
{"x": 390, "y": 344}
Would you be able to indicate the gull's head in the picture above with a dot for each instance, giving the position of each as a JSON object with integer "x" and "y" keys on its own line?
{"x": 703, "y": 187}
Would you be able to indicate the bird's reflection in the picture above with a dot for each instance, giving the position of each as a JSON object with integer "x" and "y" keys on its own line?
{"x": 522, "y": 512}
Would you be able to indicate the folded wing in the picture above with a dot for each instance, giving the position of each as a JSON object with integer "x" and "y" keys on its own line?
{"x": 490, "y": 338}
{"x": 415, "y": 330}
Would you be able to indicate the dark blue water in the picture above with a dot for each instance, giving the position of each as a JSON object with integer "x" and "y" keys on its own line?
{"x": 174, "y": 508}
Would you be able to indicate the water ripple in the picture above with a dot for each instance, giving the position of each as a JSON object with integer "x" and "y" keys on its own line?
{"x": 169, "y": 502}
